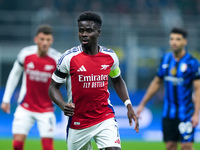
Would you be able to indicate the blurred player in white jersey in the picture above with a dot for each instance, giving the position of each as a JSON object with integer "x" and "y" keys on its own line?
{"x": 87, "y": 68}
{"x": 37, "y": 63}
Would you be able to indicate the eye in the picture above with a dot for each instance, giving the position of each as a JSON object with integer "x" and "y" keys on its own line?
{"x": 81, "y": 30}
{"x": 89, "y": 30}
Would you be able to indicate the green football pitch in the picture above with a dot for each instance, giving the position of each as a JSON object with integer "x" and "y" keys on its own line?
{"x": 34, "y": 144}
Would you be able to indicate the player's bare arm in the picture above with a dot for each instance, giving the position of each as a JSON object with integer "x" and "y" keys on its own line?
{"x": 131, "y": 115}
{"x": 152, "y": 89}
{"x": 195, "y": 117}
{"x": 56, "y": 97}
{"x": 121, "y": 89}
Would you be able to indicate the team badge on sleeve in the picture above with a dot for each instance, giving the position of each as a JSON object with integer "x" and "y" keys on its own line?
{"x": 183, "y": 67}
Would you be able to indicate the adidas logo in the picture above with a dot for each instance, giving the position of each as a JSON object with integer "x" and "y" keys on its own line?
{"x": 117, "y": 141}
{"x": 30, "y": 65}
{"x": 81, "y": 69}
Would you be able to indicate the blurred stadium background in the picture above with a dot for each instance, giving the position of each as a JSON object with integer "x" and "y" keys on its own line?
{"x": 137, "y": 30}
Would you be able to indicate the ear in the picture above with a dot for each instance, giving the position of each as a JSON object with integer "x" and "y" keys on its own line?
{"x": 35, "y": 40}
{"x": 99, "y": 31}
{"x": 186, "y": 41}
{"x": 52, "y": 40}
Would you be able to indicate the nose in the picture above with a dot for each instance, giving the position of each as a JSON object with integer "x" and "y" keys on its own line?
{"x": 45, "y": 42}
{"x": 84, "y": 33}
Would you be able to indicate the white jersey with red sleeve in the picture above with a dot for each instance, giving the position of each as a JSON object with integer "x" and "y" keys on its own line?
{"x": 37, "y": 72}
{"x": 87, "y": 84}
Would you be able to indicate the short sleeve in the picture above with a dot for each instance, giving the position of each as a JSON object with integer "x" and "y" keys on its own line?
{"x": 115, "y": 70}
{"x": 196, "y": 67}
{"x": 160, "y": 72}
{"x": 62, "y": 69}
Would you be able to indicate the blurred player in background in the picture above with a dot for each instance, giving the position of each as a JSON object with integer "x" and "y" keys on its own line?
{"x": 37, "y": 63}
{"x": 87, "y": 68}
{"x": 181, "y": 73}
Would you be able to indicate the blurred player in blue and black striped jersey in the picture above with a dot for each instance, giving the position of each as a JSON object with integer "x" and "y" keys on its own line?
{"x": 181, "y": 75}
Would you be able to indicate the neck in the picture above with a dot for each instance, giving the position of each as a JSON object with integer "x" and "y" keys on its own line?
{"x": 178, "y": 55}
{"x": 40, "y": 54}
{"x": 92, "y": 50}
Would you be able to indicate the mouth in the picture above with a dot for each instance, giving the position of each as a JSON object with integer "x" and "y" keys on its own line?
{"x": 44, "y": 47}
{"x": 174, "y": 47}
{"x": 85, "y": 41}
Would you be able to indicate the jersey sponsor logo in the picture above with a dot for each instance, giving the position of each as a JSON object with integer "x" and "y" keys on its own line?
{"x": 174, "y": 80}
{"x": 93, "y": 81}
{"x": 104, "y": 67}
{"x": 81, "y": 69}
{"x": 39, "y": 76}
{"x": 48, "y": 67}
{"x": 92, "y": 77}
{"x": 30, "y": 65}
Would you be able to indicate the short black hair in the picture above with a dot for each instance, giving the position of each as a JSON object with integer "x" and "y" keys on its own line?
{"x": 90, "y": 16}
{"x": 46, "y": 29}
{"x": 181, "y": 31}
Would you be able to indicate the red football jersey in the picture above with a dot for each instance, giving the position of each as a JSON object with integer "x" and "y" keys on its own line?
{"x": 87, "y": 84}
{"x": 36, "y": 79}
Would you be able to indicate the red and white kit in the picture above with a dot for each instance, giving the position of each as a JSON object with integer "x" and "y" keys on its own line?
{"x": 87, "y": 81}
{"x": 33, "y": 97}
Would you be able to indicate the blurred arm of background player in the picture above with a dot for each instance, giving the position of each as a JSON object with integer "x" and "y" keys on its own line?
{"x": 121, "y": 89}
{"x": 57, "y": 98}
{"x": 195, "y": 116}
{"x": 11, "y": 84}
{"x": 152, "y": 89}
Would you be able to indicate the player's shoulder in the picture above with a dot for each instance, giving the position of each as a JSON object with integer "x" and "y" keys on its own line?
{"x": 106, "y": 50}
{"x": 191, "y": 59}
{"x": 28, "y": 50}
{"x": 168, "y": 54}
{"x": 167, "y": 57}
{"x": 73, "y": 51}
{"x": 110, "y": 52}
{"x": 68, "y": 54}
{"x": 53, "y": 53}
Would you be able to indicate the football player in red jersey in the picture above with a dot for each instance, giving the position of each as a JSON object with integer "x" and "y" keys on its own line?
{"x": 37, "y": 63}
{"x": 87, "y": 68}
